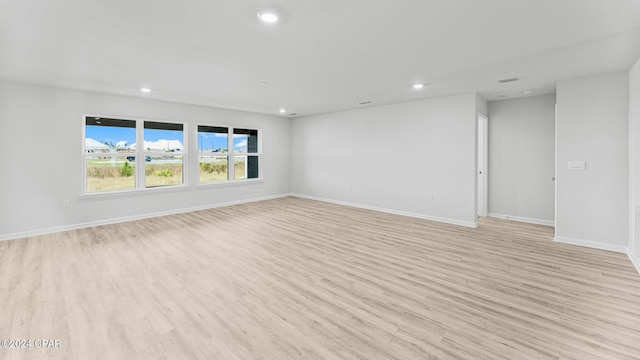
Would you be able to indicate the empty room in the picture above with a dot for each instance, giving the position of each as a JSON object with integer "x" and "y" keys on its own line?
{"x": 437, "y": 179}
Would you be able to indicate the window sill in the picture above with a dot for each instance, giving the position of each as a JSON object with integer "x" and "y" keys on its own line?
{"x": 165, "y": 189}
{"x": 229, "y": 183}
{"x": 133, "y": 192}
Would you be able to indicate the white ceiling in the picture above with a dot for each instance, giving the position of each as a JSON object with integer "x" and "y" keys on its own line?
{"x": 323, "y": 56}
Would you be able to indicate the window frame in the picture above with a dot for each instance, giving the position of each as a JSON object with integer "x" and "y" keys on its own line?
{"x": 140, "y": 159}
{"x": 139, "y": 153}
{"x": 231, "y": 156}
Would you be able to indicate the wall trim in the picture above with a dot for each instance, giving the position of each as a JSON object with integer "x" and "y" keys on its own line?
{"x": 56, "y": 229}
{"x": 523, "y": 219}
{"x": 591, "y": 244}
{"x": 471, "y": 224}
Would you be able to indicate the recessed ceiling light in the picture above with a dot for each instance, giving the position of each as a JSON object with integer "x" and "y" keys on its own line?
{"x": 264, "y": 83}
{"x": 283, "y": 111}
{"x": 268, "y": 17}
{"x": 145, "y": 90}
{"x": 527, "y": 92}
{"x": 418, "y": 86}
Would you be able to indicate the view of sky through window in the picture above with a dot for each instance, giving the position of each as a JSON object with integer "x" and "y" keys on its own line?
{"x": 217, "y": 142}
{"x": 125, "y": 137}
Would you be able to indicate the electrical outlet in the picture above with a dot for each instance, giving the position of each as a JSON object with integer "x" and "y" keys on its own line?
{"x": 66, "y": 203}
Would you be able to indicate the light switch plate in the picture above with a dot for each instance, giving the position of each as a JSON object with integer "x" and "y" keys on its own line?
{"x": 577, "y": 165}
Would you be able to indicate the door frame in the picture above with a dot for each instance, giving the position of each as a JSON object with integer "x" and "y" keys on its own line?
{"x": 555, "y": 168}
{"x": 482, "y": 167}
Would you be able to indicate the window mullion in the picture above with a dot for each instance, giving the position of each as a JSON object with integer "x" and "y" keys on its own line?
{"x": 232, "y": 161}
{"x": 140, "y": 162}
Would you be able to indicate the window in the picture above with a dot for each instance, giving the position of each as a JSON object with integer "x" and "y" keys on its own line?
{"x": 163, "y": 153}
{"x": 114, "y": 162}
{"x": 135, "y": 154}
{"x": 245, "y": 141}
{"x": 108, "y": 158}
{"x": 215, "y": 159}
{"x": 213, "y": 144}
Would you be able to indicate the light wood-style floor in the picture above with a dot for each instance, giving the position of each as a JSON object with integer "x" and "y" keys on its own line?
{"x": 299, "y": 279}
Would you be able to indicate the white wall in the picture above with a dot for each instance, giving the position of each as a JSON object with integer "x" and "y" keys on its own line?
{"x": 41, "y": 146}
{"x": 634, "y": 152}
{"x": 481, "y": 105}
{"x": 592, "y": 126}
{"x": 392, "y": 157}
{"x": 522, "y": 158}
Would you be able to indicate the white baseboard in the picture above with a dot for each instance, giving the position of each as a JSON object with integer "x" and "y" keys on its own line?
{"x": 471, "y": 224}
{"x": 56, "y": 229}
{"x": 635, "y": 260}
{"x": 523, "y": 219}
{"x": 591, "y": 244}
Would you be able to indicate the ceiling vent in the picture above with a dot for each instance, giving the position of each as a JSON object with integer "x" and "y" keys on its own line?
{"x": 365, "y": 103}
{"x": 502, "y": 81}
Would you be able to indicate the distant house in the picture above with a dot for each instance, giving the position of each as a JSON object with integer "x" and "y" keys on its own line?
{"x": 94, "y": 146}
{"x": 122, "y": 146}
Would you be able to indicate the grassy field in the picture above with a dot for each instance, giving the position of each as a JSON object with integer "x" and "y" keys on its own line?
{"x": 109, "y": 174}
{"x": 163, "y": 174}
{"x": 214, "y": 171}
{"x": 120, "y": 174}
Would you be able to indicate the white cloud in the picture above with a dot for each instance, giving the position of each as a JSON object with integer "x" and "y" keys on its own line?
{"x": 161, "y": 145}
{"x": 91, "y": 144}
{"x": 241, "y": 144}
